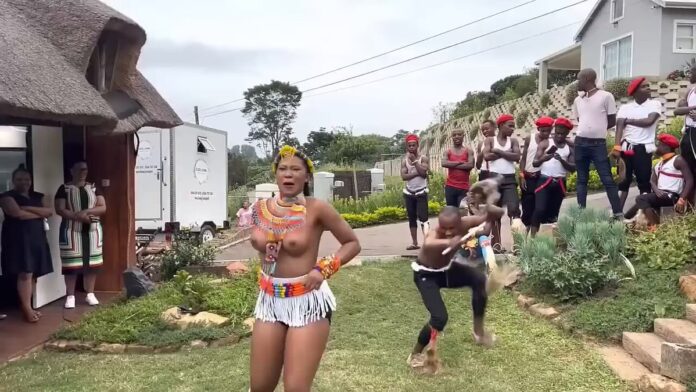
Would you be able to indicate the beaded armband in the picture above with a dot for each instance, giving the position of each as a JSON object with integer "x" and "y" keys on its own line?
{"x": 328, "y": 265}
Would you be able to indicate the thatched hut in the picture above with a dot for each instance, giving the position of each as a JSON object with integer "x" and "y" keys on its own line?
{"x": 70, "y": 90}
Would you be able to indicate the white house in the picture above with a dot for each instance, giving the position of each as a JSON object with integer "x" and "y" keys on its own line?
{"x": 623, "y": 38}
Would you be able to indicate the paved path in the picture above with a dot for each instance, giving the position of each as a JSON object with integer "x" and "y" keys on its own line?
{"x": 390, "y": 240}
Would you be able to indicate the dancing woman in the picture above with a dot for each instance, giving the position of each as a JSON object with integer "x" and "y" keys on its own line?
{"x": 294, "y": 308}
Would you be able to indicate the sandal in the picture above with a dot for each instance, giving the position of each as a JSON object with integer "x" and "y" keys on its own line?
{"x": 413, "y": 247}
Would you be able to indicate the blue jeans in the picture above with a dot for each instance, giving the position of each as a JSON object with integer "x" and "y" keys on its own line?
{"x": 594, "y": 151}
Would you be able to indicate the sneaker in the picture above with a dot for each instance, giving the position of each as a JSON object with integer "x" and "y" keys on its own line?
{"x": 70, "y": 302}
{"x": 618, "y": 217}
{"x": 91, "y": 299}
{"x": 416, "y": 360}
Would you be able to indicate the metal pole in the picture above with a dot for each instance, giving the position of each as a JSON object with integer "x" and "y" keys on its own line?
{"x": 195, "y": 114}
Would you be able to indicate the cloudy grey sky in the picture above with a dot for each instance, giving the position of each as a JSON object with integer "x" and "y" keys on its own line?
{"x": 208, "y": 52}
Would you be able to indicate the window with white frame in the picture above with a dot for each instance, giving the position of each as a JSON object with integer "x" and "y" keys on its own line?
{"x": 617, "y": 10}
{"x": 617, "y": 56}
{"x": 685, "y": 36}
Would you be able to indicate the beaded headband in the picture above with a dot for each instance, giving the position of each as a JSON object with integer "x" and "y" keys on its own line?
{"x": 288, "y": 152}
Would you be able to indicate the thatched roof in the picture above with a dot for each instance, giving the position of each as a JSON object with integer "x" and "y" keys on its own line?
{"x": 46, "y": 48}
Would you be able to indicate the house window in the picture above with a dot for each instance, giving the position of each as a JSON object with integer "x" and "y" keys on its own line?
{"x": 684, "y": 36}
{"x": 618, "y": 58}
{"x": 617, "y": 10}
{"x": 204, "y": 145}
{"x": 102, "y": 64}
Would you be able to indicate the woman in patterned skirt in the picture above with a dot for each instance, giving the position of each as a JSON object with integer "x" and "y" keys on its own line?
{"x": 80, "y": 204}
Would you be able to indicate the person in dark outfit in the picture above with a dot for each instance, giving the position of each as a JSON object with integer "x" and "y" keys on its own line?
{"x": 25, "y": 250}
{"x": 434, "y": 271}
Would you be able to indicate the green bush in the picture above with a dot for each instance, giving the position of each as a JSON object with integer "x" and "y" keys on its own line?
{"x": 509, "y": 95}
{"x": 617, "y": 87}
{"x": 513, "y": 108}
{"x": 545, "y": 100}
{"x": 581, "y": 263}
{"x": 486, "y": 114}
{"x": 386, "y": 215}
{"x": 675, "y": 127}
{"x": 669, "y": 246}
{"x": 594, "y": 183}
{"x": 571, "y": 92}
{"x": 473, "y": 132}
{"x": 553, "y": 114}
{"x": 521, "y": 119}
{"x": 186, "y": 250}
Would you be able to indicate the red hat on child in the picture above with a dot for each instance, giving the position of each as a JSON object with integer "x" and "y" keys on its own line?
{"x": 544, "y": 121}
{"x": 411, "y": 138}
{"x": 504, "y": 118}
{"x": 564, "y": 122}
{"x": 668, "y": 139}
{"x": 633, "y": 86}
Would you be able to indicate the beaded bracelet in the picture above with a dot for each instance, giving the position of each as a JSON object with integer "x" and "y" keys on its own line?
{"x": 328, "y": 265}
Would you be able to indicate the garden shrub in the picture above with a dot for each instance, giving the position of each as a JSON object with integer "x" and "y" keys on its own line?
{"x": 513, "y": 108}
{"x": 617, "y": 87}
{"x": 545, "y": 100}
{"x": 675, "y": 127}
{"x": 486, "y": 114}
{"x": 580, "y": 263}
{"x": 186, "y": 250}
{"x": 385, "y": 215}
{"x": 553, "y": 114}
{"x": 571, "y": 92}
{"x": 521, "y": 119}
{"x": 669, "y": 246}
{"x": 473, "y": 133}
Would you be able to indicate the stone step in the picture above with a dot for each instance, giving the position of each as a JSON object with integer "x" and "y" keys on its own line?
{"x": 691, "y": 312}
{"x": 676, "y": 331}
{"x": 623, "y": 364}
{"x": 646, "y": 348}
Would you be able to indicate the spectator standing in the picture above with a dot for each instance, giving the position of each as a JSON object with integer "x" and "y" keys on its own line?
{"x": 595, "y": 111}
{"x": 636, "y": 123}
{"x": 529, "y": 175}
{"x": 458, "y": 160}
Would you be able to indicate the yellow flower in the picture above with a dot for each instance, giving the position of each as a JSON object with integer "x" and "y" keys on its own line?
{"x": 288, "y": 152}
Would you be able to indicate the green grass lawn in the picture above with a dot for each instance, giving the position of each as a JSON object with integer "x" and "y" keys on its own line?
{"x": 373, "y": 331}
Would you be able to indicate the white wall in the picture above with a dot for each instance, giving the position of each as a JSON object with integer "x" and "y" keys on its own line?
{"x": 47, "y": 165}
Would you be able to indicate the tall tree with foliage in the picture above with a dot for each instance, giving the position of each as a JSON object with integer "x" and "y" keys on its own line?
{"x": 318, "y": 143}
{"x": 270, "y": 110}
{"x": 474, "y": 102}
{"x": 244, "y": 150}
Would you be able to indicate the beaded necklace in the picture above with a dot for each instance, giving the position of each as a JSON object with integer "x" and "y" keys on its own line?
{"x": 287, "y": 216}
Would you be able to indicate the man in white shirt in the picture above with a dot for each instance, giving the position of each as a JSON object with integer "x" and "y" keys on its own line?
{"x": 636, "y": 123}
{"x": 595, "y": 111}
{"x": 687, "y": 107}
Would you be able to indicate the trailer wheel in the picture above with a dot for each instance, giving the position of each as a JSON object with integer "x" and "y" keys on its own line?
{"x": 207, "y": 233}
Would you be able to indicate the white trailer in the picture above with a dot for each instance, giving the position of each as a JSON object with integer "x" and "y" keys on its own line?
{"x": 181, "y": 180}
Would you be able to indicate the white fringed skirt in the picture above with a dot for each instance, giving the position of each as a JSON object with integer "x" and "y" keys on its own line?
{"x": 284, "y": 300}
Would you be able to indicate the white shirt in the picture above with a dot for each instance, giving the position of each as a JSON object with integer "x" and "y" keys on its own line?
{"x": 690, "y": 101}
{"x": 592, "y": 113}
{"x": 418, "y": 183}
{"x": 669, "y": 178}
{"x": 553, "y": 167}
{"x": 502, "y": 165}
{"x": 636, "y": 111}
{"x": 531, "y": 153}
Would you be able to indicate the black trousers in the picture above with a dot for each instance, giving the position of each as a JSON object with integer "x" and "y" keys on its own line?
{"x": 640, "y": 165}
{"x": 457, "y": 276}
{"x": 548, "y": 198}
{"x": 651, "y": 200}
{"x": 416, "y": 208}
{"x": 528, "y": 196}
{"x": 687, "y": 146}
{"x": 508, "y": 194}
{"x": 454, "y": 196}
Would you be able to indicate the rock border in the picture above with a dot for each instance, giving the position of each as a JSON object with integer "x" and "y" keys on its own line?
{"x": 76, "y": 346}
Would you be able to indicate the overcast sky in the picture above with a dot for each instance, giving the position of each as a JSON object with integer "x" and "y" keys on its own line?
{"x": 208, "y": 52}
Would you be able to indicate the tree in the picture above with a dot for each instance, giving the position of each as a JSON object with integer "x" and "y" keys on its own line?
{"x": 442, "y": 112}
{"x": 474, "y": 102}
{"x": 237, "y": 169}
{"x": 525, "y": 85}
{"x": 270, "y": 110}
{"x": 318, "y": 143}
{"x": 246, "y": 151}
{"x": 348, "y": 149}
{"x": 500, "y": 87}
{"x": 398, "y": 141}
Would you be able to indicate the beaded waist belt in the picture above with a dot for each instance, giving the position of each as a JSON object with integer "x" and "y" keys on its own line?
{"x": 282, "y": 288}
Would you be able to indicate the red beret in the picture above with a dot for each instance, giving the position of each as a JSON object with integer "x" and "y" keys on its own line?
{"x": 504, "y": 118}
{"x": 544, "y": 122}
{"x": 666, "y": 138}
{"x": 633, "y": 86}
{"x": 411, "y": 138}
{"x": 564, "y": 122}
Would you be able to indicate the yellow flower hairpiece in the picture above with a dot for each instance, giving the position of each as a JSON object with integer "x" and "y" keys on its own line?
{"x": 288, "y": 152}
